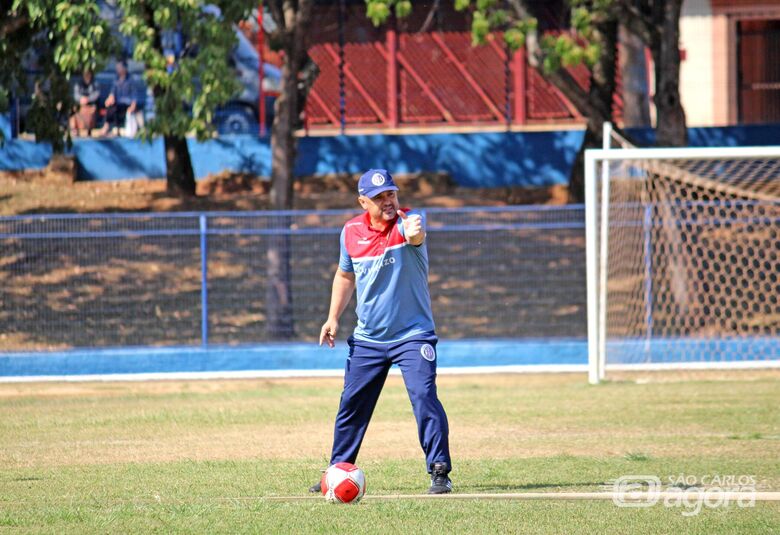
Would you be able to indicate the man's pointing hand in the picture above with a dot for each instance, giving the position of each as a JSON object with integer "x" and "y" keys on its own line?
{"x": 413, "y": 230}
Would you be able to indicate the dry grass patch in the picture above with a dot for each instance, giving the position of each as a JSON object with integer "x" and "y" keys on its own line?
{"x": 505, "y": 416}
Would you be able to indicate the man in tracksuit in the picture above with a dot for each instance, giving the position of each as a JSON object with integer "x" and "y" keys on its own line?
{"x": 384, "y": 257}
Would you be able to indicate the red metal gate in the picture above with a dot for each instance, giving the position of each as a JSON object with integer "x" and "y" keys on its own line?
{"x": 395, "y": 78}
{"x": 432, "y": 78}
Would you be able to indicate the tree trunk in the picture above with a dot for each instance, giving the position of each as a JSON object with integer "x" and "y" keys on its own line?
{"x": 670, "y": 117}
{"x": 284, "y": 151}
{"x": 633, "y": 70}
{"x": 179, "y": 174}
{"x": 180, "y": 178}
{"x": 602, "y": 89}
{"x": 284, "y": 144}
{"x": 592, "y": 140}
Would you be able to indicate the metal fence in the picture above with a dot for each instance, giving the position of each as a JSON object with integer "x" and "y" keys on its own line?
{"x": 119, "y": 280}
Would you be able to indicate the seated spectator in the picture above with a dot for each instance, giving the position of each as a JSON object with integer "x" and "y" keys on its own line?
{"x": 121, "y": 101}
{"x": 85, "y": 95}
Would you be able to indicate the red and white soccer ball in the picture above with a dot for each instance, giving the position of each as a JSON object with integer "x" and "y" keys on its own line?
{"x": 343, "y": 483}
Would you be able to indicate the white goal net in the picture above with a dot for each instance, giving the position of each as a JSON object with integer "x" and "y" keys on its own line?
{"x": 683, "y": 258}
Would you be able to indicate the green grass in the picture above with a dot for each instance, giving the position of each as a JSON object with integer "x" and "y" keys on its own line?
{"x": 204, "y": 457}
{"x": 637, "y": 456}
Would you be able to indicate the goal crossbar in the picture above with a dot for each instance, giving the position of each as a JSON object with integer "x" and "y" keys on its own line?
{"x": 676, "y": 153}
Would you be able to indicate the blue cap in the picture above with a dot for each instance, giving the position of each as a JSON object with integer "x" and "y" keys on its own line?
{"x": 375, "y": 181}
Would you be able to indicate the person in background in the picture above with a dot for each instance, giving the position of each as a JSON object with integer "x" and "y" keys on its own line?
{"x": 86, "y": 95}
{"x": 121, "y": 102}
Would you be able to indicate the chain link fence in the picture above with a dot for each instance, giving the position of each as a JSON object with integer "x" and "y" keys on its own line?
{"x": 188, "y": 279}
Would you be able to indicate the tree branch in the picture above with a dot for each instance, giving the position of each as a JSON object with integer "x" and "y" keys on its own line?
{"x": 303, "y": 16}
{"x": 561, "y": 78}
{"x": 429, "y": 19}
{"x": 12, "y": 25}
{"x": 565, "y": 82}
{"x": 520, "y": 7}
{"x": 276, "y": 14}
{"x": 637, "y": 22}
{"x": 290, "y": 10}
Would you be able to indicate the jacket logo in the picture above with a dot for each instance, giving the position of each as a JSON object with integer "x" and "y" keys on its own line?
{"x": 428, "y": 353}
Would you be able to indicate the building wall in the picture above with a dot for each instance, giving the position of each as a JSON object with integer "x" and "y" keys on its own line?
{"x": 708, "y": 75}
{"x": 699, "y": 72}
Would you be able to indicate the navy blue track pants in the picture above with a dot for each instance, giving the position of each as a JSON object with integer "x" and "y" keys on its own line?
{"x": 364, "y": 376}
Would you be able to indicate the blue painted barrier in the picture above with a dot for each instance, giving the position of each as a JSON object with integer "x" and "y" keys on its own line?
{"x": 309, "y": 357}
{"x": 475, "y": 159}
{"x": 274, "y": 357}
{"x": 6, "y": 131}
{"x": 16, "y": 155}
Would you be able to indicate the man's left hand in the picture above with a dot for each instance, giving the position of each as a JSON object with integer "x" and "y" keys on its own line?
{"x": 413, "y": 229}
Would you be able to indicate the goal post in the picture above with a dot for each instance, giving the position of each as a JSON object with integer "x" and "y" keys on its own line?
{"x": 683, "y": 258}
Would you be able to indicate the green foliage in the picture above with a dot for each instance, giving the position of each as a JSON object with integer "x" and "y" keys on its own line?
{"x": 592, "y": 53}
{"x": 485, "y": 5}
{"x": 514, "y": 38}
{"x": 50, "y": 110}
{"x": 379, "y": 10}
{"x": 579, "y": 46}
{"x": 480, "y": 28}
{"x": 403, "y": 9}
{"x": 580, "y": 20}
{"x": 498, "y": 18}
{"x": 186, "y": 97}
{"x": 563, "y": 45}
{"x": 551, "y": 63}
{"x": 488, "y": 16}
{"x": 81, "y": 36}
{"x": 517, "y": 32}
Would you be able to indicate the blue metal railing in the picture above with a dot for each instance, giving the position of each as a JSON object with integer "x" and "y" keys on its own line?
{"x": 128, "y": 279}
{"x": 199, "y": 279}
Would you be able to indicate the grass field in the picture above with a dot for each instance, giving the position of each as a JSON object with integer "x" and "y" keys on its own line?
{"x": 209, "y": 457}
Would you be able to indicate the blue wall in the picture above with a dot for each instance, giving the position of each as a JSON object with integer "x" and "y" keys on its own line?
{"x": 472, "y": 159}
{"x": 5, "y": 126}
{"x": 16, "y": 155}
{"x": 476, "y": 159}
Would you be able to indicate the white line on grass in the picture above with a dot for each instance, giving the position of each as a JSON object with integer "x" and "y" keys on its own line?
{"x": 624, "y": 497}
{"x": 445, "y": 370}
{"x": 281, "y": 374}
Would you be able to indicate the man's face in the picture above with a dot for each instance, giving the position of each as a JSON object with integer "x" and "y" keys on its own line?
{"x": 382, "y": 207}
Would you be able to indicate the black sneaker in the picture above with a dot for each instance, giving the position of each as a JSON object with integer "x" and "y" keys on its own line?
{"x": 317, "y": 487}
{"x": 440, "y": 481}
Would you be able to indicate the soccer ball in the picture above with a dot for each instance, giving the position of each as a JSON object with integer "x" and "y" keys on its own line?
{"x": 343, "y": 483}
